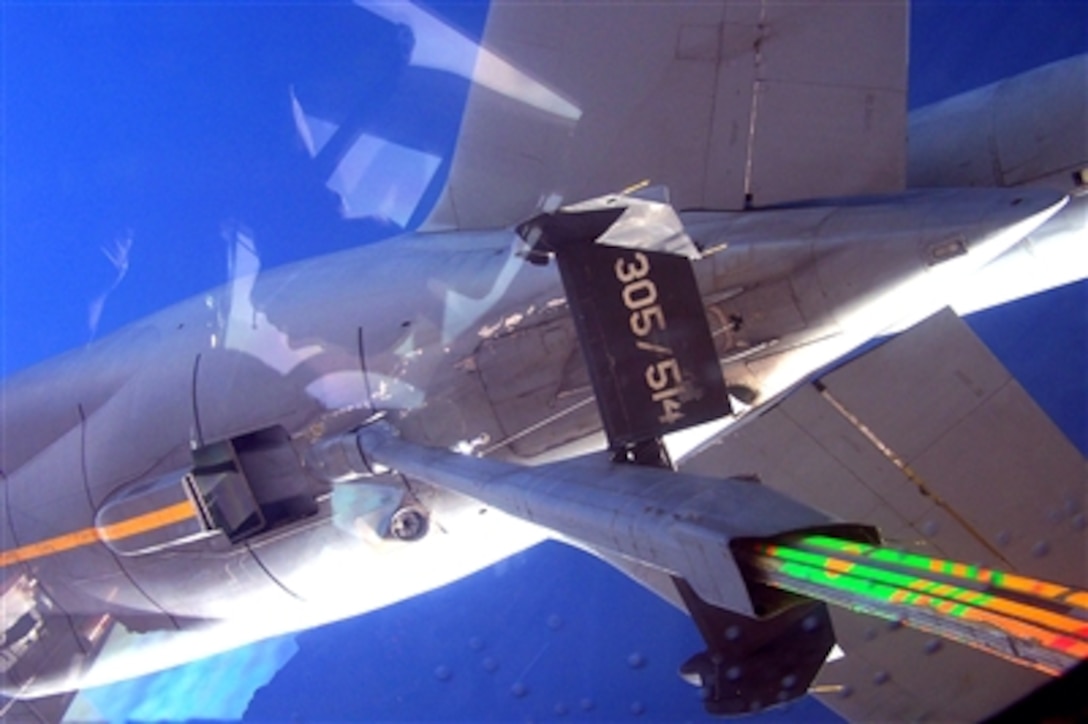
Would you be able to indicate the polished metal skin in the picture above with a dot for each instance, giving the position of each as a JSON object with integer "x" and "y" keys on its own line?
{"x": 183, "y": 487}
{"x": 422, "y": 334}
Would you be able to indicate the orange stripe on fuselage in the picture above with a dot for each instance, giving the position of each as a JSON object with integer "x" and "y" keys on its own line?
{"x": 160, "y": 518}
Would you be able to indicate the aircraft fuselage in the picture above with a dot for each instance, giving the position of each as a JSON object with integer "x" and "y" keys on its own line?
{"x": 119, "y": 506}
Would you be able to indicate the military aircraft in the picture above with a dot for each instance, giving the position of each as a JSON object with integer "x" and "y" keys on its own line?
{"x": 220, "y": 439}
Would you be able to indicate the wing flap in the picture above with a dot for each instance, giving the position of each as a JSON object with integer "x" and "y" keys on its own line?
{"x": 977, "y": 441}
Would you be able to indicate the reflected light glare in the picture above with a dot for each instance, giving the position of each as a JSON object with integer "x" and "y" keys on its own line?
{"x": 405, "y": 173}
{"x": 1052, "y": 256}
{"x": 118, "y": 256}
{"x": 441, "y": 47}
{"x": 371, "y": 162}
{"x": 461, "y": 311}
{"x": 219, "y": 687}
{"x": 498, "y": 75}
{"x": 314, "y": 132}
{"x": 247, "y": 329}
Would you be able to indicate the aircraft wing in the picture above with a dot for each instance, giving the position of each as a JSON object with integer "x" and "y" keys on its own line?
{"x": 929, "y": 438}
{"x": 729, "y": 104}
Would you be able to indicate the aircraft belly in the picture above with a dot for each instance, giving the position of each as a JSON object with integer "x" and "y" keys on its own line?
{"x": 235, "y": 393}
{"x": 213, "y": 376}
{"x": 52, "y": 534}
{"x": 534, "y": 374}
{"x": 198, "y": 582}
{"x": 1052, "y": 256}
{"x": 41, "y": 403}
{"x": 755, "y": 319}
{"x": 153, "y": 413}
{"x": 293, "y": 363}
{"x": 349, "y": 564}
{"x": 457, "y": 340}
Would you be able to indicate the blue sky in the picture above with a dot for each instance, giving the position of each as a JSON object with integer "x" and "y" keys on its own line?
{"x": 158, "y": 123}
